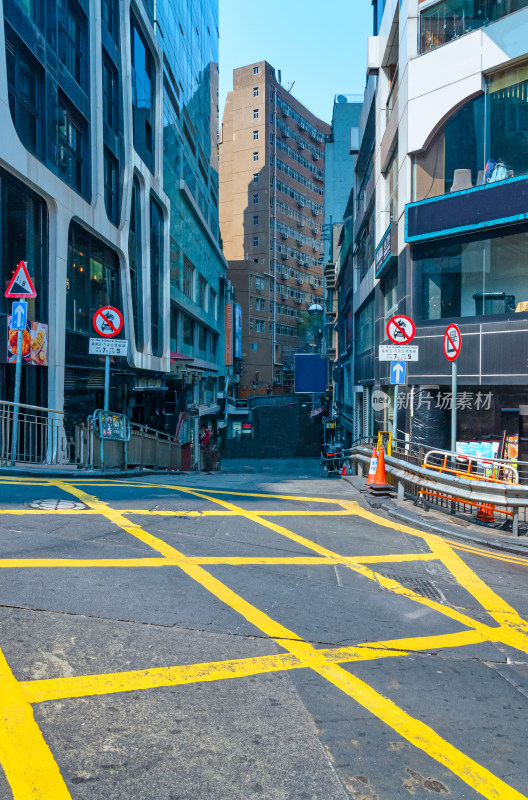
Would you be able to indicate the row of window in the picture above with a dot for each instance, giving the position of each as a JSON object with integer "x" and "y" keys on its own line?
{"x": 285, "y": 148}
{"x": 301, "y": 219}
{"x": 299, "y": 178}
{"x": 300, "y": 120}
{"x": 207, "y": 297}
{"x": 295, "y": 233}
{"x": 297, "y": 294}
{"x": 301, "y": 199}
{"x": 192, "y": 338}
{"x": 289, "y": 272}
{"x": 287, "y": 132}
{"x": 301, "y": 258}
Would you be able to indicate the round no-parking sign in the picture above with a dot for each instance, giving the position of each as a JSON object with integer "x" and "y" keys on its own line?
{"x": 108, "y": 321}
{"x": 400, "y": 329}
{"x": 452, "y": 342}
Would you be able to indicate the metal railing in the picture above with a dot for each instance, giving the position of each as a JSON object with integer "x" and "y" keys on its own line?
{"x": 146, "y": 448}
{"x": 415, "y": 474}
{"x": 40, "y": 434}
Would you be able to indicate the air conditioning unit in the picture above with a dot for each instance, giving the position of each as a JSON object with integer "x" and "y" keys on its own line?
{"x": 300, "y": 223}
{"x": 298, "y": 300}
{"x": 313, "y": 285}
{"x": 284, "y": 255}
{"x": 300, "y": 203}
{"x": 284, "y": 276}
{"x": 300, "y": 281}
{"x": 316, "y": 156}
{"x": 315, "y": 231}
{"x": 299, "y": 242}
{"x": 284, "y": 234}
{"x": 301, "y": 145}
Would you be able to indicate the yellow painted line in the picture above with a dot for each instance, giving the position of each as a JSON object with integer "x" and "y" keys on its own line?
{"x": 40, "y": 691}
{"x": 498, "y": 556}
{"x": 27, "y": 761}
{"x": 44, "y": 511}
{"x": 267, "y": 496}
{"x": 45, "y": 563}
{"x": 415, "y": 731}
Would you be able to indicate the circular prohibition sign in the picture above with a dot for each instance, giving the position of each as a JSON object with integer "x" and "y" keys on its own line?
{"x": 108, "y": 321}
{"x": 400, "y": 329}
{"x": 452, "y": 342}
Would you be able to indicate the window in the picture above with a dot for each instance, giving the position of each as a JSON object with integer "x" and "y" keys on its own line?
{"x": 188, "y": 335}
{"x": 255, "y": 241}
{"x": 156, "y": 277}
{"x": 253, "y": 346}
{"x": 256, "y": 70}
{"x": 255, "y": 219}
{"x": 93, "y": 279}
{"x": 24, "y": 79}
{"x": 255, "y": 156}
{"x": 111, "y": 186}
{"x": 72, "y": 40}
{"x": 110, "y": 95}
{"x": 255, "y": 113}
{"x": 255, "y": 136}
{"x": 493, "y": 126}
{"x": 467, "y": 277}
{"x": 201, "y": 341}
{"x": 71, "y": 147}
{"x": 259, "y": 283}
{"x": 452, "y": 18}
{"x": 272, "y": 139}
{"x": 135, "y": 263}
{"x": 255, "y": 178}
{"x": 24, "y": 237}
{"x": 390, "y": 294}
{"x": 365, "y": 328}
{"x": 260, "y": 326}
{"x": 256, "y": 261}
{"x": 391, "y": 187}
{"x": 109, "y": 17}
{"x": 202, "y": 292}
{"x": 260, "y": 304}
{"x": 213, "y": 308}
{"x": 188, "y": 278}
{"x": 255, "y": 91}
{"x": 255, "y": 199}
{"x": 143, "y": 81}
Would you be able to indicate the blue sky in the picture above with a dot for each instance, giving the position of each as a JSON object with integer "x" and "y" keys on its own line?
{"x": 322, "y": 49}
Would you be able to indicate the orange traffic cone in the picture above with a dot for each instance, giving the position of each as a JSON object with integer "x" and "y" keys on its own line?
{"x": 485, "y": 513}
{"x": 372, "y": 468}
{"x": 379, "y": 485}
{"x": 344, "y": 470}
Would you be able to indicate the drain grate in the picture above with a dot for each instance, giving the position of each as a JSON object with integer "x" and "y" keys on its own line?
{"x": 419, "y": 585}
{"x": 56, "y": 505}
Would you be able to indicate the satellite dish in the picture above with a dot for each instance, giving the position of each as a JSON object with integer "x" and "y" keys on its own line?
{"x": 341, "y": 98}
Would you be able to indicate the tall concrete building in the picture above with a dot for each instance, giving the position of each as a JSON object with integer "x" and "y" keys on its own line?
{"x": 272, "y": 152}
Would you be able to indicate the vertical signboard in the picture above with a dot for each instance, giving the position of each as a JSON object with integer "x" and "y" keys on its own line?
{"x": 238, "y": 329}
{"x": 228, "y": 322}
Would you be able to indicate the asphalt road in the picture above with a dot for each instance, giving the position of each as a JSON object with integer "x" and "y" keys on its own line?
{"x": 256, "y": 634}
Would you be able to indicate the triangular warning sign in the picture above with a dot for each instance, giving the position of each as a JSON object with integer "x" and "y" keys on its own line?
{"x": 20, "y": 284}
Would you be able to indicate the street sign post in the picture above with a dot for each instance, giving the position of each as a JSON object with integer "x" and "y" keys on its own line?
{"x": 107, "y": 321}
{"x": 400, "y": 330}
{"x": 398, "y": 373}
{"x": 20, "y": 286}
{"x": 452, "y": 347}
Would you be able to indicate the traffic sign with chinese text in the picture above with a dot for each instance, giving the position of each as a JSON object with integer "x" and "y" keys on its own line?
{"x": 21, "y": 284}
{"x": 400, "y": 329}
{"x": 391, "y": 352}
{"x": 108, "y": 347}
{"x": 398, "y": 372}
{"x": 452, "y": 342}
{"x": 19, "y": 315}
{"x": 108, "y": 321}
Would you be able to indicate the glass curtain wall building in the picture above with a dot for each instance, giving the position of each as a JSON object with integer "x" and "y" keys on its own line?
{"x": 107, "y": 207}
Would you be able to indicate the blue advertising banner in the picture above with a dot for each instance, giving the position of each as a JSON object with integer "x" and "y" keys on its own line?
{"x": 311, "y": 373}
{"x": 237, "y": 329}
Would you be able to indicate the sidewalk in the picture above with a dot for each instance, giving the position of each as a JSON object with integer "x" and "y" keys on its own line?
{"x": 21, "y": 470}
{"x": 434, "y": 521}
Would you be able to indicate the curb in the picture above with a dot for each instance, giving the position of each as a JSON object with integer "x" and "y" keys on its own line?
{"x": 508, "y": 545}
{"x": 18, "y": 472}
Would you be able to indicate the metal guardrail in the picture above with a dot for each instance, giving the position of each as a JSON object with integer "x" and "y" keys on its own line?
{"x": 146, "y": 448}
{"x": 40, "y": 434}
{"x": 409, "y": 476}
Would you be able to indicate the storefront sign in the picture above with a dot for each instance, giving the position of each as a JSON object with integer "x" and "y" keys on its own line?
{"x": 228, "y": 325}
{"x": 385, "y": 250}
{"x": 34, "y": 343}
{"x": 237, "y": 324}
{"x": 149, "y": 384}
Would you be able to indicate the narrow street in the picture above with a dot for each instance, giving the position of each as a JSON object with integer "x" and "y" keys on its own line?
{"x": 251, "y": 635}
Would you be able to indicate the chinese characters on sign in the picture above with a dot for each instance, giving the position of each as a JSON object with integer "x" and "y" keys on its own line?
{"x": 465, "y": 401}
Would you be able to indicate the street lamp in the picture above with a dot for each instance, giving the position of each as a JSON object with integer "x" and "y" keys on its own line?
{"x": 316, "y": 312}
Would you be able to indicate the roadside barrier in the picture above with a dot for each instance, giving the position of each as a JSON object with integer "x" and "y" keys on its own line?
{"x": 435, "y": 474}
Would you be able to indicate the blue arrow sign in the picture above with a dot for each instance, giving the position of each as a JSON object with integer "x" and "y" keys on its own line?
{"x": 19, "y": 315}
{"x": 398, "y": 372}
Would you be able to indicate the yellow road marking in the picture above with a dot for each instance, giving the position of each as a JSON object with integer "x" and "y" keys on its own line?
{"x": 40, "y": 691}
{"x": 28, "y": 763}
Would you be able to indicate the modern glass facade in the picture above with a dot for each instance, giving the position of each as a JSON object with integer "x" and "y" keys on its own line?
{"x": 450, "y": 19}
{"x": 482, "y": 142}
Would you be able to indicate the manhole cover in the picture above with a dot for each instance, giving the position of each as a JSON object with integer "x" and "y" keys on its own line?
{"x": 56, "y": 505}
{"x": 420, "y": 586}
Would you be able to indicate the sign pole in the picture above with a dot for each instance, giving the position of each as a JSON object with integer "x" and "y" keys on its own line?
{"x": 18, "y": 380}
{"x": 395, "y": 415}
{"x": 107, "y": 384}
{"x": 454, "y": 371}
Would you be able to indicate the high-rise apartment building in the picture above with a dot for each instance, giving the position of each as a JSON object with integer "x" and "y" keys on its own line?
{"x": 109, "y": 191}
{"x": 272, "y": 153}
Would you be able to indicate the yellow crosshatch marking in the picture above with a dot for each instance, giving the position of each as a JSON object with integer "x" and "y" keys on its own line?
{"x": 25, "y": 757}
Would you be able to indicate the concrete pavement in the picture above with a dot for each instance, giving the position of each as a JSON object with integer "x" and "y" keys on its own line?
{"x": 251, "y": 635}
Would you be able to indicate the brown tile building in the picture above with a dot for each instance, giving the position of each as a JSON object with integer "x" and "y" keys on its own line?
{"x": 271, "y": 217}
